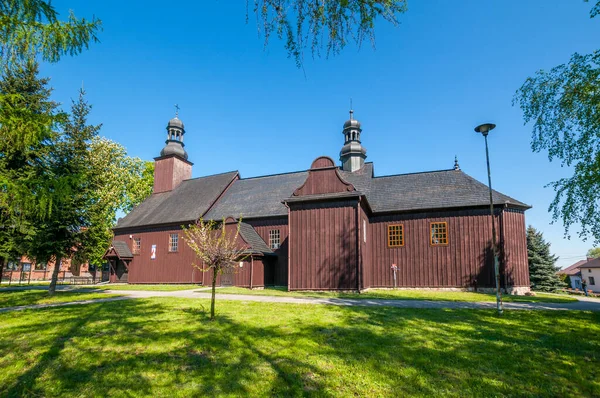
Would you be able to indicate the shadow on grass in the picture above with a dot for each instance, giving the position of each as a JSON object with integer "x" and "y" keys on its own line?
{"x": 159, "y": 347}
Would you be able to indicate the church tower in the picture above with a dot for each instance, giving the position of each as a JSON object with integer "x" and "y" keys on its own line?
{"x": 172, "y": 166}
{"x": 353, "y": 154}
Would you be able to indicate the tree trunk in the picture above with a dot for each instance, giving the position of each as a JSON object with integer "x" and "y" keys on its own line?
{"x": 212, "y": 299}
{"x": 54, "y": 280}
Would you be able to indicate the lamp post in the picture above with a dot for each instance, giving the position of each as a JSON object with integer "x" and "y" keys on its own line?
{"x": 484, "y": 129}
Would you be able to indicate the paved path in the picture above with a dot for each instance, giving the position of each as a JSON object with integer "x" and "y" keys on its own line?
{"x": 583, "y": 303}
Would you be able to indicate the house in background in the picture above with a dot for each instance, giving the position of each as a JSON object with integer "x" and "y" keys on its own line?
{"x": 590, "y": 273}
{"x": 331, "y": 227}
{"x": 27, "y": 269}
{"x": 574, "y": 273}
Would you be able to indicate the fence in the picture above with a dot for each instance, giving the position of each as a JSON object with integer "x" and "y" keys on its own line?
{"x": 20, "y": 277}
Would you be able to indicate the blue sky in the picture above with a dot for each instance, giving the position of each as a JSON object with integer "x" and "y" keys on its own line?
{"x": 446, "y": 68}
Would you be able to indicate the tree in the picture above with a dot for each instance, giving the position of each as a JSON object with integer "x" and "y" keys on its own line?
{"x": 542, "y": 268}
{"x": 28, "y": 124}
{"x": 593, "y": 253}
{"x": 217, "y": 249}
{"x": 328, "y": 24}
{"x": 121, "y": 182}
{"x": 29, "y": 28}
{"x": 65, "y": 180}
{"x": 564, "y": 106}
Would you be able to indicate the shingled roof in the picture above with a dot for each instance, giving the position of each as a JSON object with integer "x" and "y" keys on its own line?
{"x": 573, "y": 269}
{"x": 120, "y": 249}
{"x": 250, "y": 235}
{"x": 263, "y": 196}
{"x": 188, "y": 202}
{"x": 432, "y": 190}
{"x": 257, "y": 197}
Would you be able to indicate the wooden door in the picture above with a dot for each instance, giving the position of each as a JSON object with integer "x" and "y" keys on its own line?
{"x": 227, "y": 278}
{"x": 122, "y": 274}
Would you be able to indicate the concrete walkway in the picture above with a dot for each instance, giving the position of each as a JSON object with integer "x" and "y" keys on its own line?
{"x": 583, "y": 303}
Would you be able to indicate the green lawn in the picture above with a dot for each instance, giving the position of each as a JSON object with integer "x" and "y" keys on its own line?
{"x": 404, "y": 295}
{"x": 13, "y": 298}
{"x": 163, "y": 288}
{"x": 167, "y": 347}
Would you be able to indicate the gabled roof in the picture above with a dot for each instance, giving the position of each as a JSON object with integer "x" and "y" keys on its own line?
{"x": 257, "y": 197}
{"x": 595, "y": 263}
{"x": 424, "y": 191}
{"x": 263, "y": 196}
{"x": 257, "y": 244}
{"x": 188, "y": 202}
{"x": 120, "y": 250}
{"x": 573, "y": 269}
{"x": 432, "y": 190}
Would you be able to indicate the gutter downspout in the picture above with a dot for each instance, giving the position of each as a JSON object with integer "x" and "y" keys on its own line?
{"x": 358, "y": 251}
{"x": 289, "y": 248}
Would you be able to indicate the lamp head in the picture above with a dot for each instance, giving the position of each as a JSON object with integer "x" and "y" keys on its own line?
{"x": 485, "y": 128}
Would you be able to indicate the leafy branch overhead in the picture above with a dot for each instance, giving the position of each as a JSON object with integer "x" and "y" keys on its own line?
{"x": 563, "y": 105}
{"x": 31, "y": 28}
{"x": 318, "y": 24}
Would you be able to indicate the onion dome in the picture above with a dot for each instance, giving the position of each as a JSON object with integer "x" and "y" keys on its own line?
{"x": 353, "y": 154}
{"x": 175, "y": 133}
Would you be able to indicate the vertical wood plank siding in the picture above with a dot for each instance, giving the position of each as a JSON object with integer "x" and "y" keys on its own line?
{"x": 466, "y": 261}
{"x": 514, "y": 256}
{"x": 276, "y": 269}
{"x": 167, "y": 267}
{"x": 323, "y": 253}
{"x": 178, "y": 267}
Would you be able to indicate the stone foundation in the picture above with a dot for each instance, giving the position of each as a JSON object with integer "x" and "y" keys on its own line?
{"x": 513, "y": 291}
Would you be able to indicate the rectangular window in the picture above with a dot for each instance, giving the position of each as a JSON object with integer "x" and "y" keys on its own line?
{"x": 40, "y": 267}
{"x": 137, "y": 245}
{"x": 592, "y": 281}
{"x": 26, "y": 267}
{"x": 439, "y": 233}
{"x": 274, "y": 239}
{"x": 173, "y": 242}
{"x": 395, "y": 235}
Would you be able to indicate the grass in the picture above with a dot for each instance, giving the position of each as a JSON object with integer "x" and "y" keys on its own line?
{"x": 168, "y": 347}
{"x": 162, "y": 288}
{"x": 404, "y": 295}
{"x": 13, "y": 298}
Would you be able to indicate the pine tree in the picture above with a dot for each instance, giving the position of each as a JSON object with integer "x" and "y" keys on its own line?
{"x": 542, "y": 268}
{"x": 66, "y": 179}
{"x": 28, "y": 124}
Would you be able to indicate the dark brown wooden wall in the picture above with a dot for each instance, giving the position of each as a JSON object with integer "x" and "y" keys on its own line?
{"x": 169, "y": 172}
{"x": 466, "y": 261}
{"x": 365, "y": 248}
{"x": 177, "y": 267}
{"x": 323, "y": 251}
{"x": 514, "y": 241}
{"x": 323, "y": 177}
{"x": 277, "y": 267}
{"x": 167, "y": 267}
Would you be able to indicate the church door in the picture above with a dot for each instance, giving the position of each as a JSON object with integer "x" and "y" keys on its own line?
{"x": 227, "y": 278}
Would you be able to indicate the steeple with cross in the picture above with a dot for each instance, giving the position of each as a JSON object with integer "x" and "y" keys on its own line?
{"x": 353, "y": 154}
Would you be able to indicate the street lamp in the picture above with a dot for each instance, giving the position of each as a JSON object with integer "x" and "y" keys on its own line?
{"x": 485, "y": 129}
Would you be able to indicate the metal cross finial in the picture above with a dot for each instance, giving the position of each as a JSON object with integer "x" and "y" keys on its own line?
{"x": 176, "y": 110}
{"x": 351, "y": 111}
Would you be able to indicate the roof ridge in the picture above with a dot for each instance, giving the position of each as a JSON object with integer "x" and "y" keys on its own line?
{"x": 273, "y": 175}
{"x": 210, "y": 175}
{"x": 418, "y": 172}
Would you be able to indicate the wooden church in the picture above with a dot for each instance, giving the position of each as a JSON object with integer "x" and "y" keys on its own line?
{"x": 331, "y": 227}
